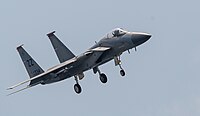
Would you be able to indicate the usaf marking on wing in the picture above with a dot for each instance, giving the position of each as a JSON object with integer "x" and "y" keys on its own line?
{"x": 111, "y": 46}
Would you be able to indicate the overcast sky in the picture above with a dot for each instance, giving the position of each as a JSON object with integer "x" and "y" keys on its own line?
{"x": 162, "y": 77}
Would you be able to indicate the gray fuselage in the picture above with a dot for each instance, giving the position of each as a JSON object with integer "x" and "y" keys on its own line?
{"x": 118, "y": 42}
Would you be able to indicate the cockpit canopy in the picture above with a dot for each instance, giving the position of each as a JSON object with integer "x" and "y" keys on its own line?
{"x": 115, "y": 33}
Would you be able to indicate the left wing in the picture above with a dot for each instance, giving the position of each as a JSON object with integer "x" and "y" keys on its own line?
{"x": 59, "y": 68}
{"x": 19, "y": 90}
{"x": 41, "y": 77}
{"x": 52, "y": 70}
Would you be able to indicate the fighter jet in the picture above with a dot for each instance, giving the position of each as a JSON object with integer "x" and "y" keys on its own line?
{"x": 110, "y": 47}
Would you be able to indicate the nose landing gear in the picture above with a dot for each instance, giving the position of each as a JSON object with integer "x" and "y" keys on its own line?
{"x": 118, "y": 62}
{"x": 122, "y": 72}
{"x": 77, "y": 87}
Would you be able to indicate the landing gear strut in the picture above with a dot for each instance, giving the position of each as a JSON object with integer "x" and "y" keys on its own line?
{"x": 118, "y": 62}
{"x": 102, "y": 76}
{"x": 77, "y": 87}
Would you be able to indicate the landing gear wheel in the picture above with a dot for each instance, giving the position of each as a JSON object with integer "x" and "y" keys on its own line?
{"x": 103, "y": 78}
{"x": 122, "y": 72}
{"x": 77, "y": 88}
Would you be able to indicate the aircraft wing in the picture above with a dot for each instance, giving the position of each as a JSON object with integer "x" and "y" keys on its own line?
{"x": 87, "y": 54}
{"x": 58, "y": 68}
{"x": 100, "y": 49}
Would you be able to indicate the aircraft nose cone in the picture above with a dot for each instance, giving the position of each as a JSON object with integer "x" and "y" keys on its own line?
{"x": 147, "y": 36}
{"x": 140, "y": 38}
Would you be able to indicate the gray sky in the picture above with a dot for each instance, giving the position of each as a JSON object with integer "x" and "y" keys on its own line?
{"x": 162, "y": 76}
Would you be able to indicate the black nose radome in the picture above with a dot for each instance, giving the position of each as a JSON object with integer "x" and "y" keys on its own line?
{"x": 140, "y": 38}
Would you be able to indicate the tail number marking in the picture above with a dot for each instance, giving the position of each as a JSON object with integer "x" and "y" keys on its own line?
{"x": 30, "y": 62}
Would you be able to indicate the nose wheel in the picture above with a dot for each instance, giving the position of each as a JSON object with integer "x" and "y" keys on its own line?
{"x": 122, "y": 72}
{"x": 77, "y": 87}
{"x": 118, "y": 62}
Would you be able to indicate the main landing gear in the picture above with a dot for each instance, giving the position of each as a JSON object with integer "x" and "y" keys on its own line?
{"x": 102, "y": 76}
{"x": 118, "y": 62}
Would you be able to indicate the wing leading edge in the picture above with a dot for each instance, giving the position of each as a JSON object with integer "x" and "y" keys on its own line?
{"x": 41, "y": 77}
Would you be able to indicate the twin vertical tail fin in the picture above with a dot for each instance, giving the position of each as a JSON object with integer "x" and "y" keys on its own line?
{"x": 32, "y": 68}
{"x": 61, "y": 50}
{"x": 30, "y": 64}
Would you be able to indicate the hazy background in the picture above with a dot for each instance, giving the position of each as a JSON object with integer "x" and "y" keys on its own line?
{"x": 162, "y": 77}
